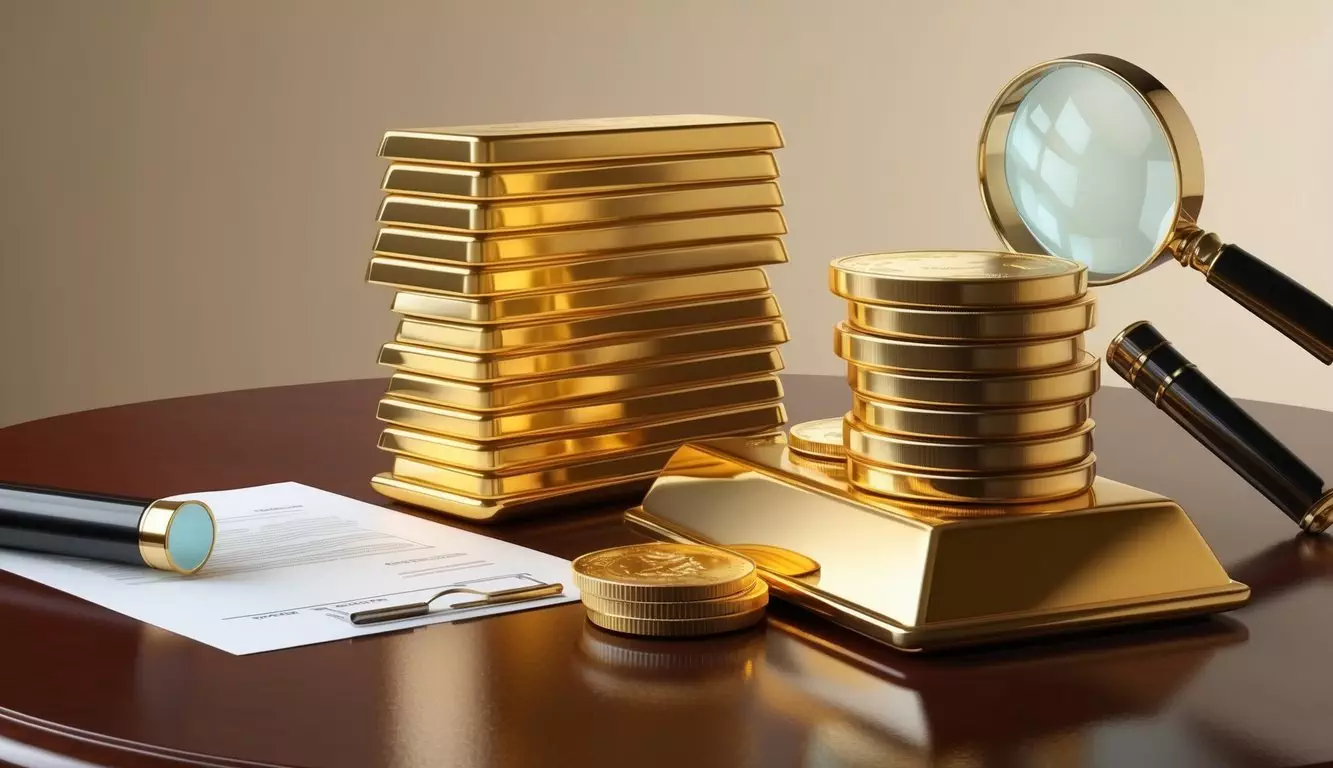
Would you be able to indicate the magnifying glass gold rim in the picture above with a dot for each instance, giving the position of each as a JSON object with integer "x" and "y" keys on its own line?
{"x": 1180, "y": 136}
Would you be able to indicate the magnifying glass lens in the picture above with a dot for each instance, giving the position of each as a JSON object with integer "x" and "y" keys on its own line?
{"x": 1091, "y": 172}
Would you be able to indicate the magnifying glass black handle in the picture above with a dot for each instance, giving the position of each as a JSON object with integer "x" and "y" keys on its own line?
{"x": 1144, "y": 358}
{"x": 1280, "y": 301}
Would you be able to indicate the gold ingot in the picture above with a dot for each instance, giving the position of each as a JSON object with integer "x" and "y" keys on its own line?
{"x": 567, "y": 244}
{"x": 969, "y": 456}
{"x": 580, "y": 179}
{"x": 754, "y": 598}
{"x": 434, "y": 277}
{"x": 527, "y": 453}
{"x": 957, "y": 279}
{"x": 821, "y": 439}
{"x": 509, "y": 507}
{"x": 492, "y": 485}
{"x": 1015, "y": 487}
{"x": 547, "y": 213}
{"x": 1067, "y": 319}
{"x": 514, "y": 337}
{"x": 597, "y": 299}
{"x": 879, "y": 352}
{"x": 546, "y": 364}
{"x": 1074, "y": 382}
{"x": 566, "y": 141}
{"x": 663, "y": 573}
{"x": 677, "y": 627}
{"x": 978, "y": 424}
{"x": 629, "y": 385}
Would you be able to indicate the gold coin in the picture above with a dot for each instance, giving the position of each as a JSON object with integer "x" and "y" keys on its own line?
{"x": 1073, "y": 382}
{"x": 783, "y": 562}
{"x": 988, "y": 423}
{"x": 822, "y": 471}
{"x": 980, "y": 456}
{"x": 751, "y": 599}
{"x": 1024, "y": 487}
{"x": 992, "y": 357}
{"x": 1006, "y": 324}
{"x": 662, "y": 572}
{"x": 820, "y": 439}
{"x": 958, "y": 279}
{"x": 677, "y": 627}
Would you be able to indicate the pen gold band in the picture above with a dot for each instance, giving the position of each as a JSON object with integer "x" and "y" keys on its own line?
{"x": 1068, "y": 319}
{"x": 991, "y": 423}
{"x": 1320, "y": 515}
{"x": 898, "y": 354}
{"x": 968, "y": 456}
{"x": 155, "y": 532}
{"x": 1075, "y": 382}
{"x": 1040, "y": 485}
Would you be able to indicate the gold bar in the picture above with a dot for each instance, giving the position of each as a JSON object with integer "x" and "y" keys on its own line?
{"x": 563, "y": 244}
{"x": 455, "y": 216}
{"x": 636, "y": 294}
{"x": 980, "y": 424}
{"x": 564, "y": 141}
{"x": 651, "y": 378}
{"x": 526, "y": 453}
{"x": 628, "y": 409}
{"x": 488, "y": 485}
{"x": 583, "y": 179}
{"x": 991, "y": 357}
{"x": 512, "y": 337}
{"x": 1013, "y": 488}
{"x": 1074, "y": 382}
{"x": 433, "y": 277}
{"x": 968, "y": 456}
{"x": 1068, "y": 319}
{"x": 494, "y": 510}
{"x": 559, "y": 362}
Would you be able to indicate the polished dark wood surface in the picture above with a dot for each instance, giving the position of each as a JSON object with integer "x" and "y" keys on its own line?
{"x": 80, "y": 683}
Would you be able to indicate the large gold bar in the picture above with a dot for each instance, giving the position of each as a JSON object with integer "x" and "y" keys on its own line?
{"x": 565, "y": 244}
{"x": 543, "y": 213}
{"x": 509, "y": 507}
{"x": 434, "y": 277}
{"x": 512, "y": 337}
{"x": 628, "y": 409}
{"x": 582, "y": 179}
{"x": 491, "y": 485}
{"x": 526, "y": 453}
{"x": 565, "y": 141}
{"x": 559, "y": 362}
{"x": 924, "y": 576}
{"x": 651, "y": 378}
{"x": 611, "y": 297}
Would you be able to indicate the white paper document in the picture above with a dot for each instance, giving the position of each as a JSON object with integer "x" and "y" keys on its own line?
{"x": 291, "y": 562}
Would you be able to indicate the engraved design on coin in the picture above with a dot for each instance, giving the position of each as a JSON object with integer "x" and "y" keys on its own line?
{"x": 664, "y": 563}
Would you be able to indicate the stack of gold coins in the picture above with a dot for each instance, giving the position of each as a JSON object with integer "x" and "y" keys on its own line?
{"x": 578, "y": 299}
{"x": 969, "y": 376}
{"x": 670, "y": 590}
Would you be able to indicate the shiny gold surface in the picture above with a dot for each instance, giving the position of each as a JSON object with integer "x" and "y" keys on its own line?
{"x": 989, "y": 423}
{"x": 563, "y": 141}
{"x": 492, "y": 485}
{"x": 969, "y": 456}
{"x": 509, "y": 507}
{"x": 1017, "y": 487}
{"x": 1075, "y": 382}
{"x": 751, "y": 599}
{"x": 777, "y": 560}
{"x": 1320, "y": 515}
{"x": 663, "y": 573}
{"x": 580, "y": 179}
{"x": 677, "y": 627}
{"x": 505, "y": 338}
{"x": 565, "y": 303}
{"x": 546, "y": 213}
{"x": 629, "y": 384}
{"x": 154, "y": 529}
{"x": 435, "y": 277}
{"x": 566, "y": 244}
{"x": 957, "y": 279}
{"x": 820, "y": 439}
{"x": 1067, "y": 319}
{"x": 817, "y": 468}
{"x": 1120, "y": 555}
{"x": 524, "y": 452}
{"x": 865, "y": 350}
{"x": 471, "y": 366}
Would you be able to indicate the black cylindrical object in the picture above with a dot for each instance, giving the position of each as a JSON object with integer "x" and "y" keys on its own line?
{"x": 167, "y": 535}
{"x": 1145, "y": 359}
{"x": 1282, "y": 302}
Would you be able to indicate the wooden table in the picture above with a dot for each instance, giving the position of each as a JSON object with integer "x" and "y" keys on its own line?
{"x": 80, "y": 684}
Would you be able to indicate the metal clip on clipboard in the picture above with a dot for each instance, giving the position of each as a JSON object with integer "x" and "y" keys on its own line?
{"x": 498, "y": 597}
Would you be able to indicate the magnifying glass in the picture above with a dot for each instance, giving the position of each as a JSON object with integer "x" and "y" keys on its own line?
{"x": 1091, "y": 159}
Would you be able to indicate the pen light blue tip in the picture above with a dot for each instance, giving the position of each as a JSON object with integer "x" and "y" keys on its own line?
{"x": 190, "y": 536}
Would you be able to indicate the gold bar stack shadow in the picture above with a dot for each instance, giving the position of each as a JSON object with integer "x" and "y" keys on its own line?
{"x": 578, "y": 299}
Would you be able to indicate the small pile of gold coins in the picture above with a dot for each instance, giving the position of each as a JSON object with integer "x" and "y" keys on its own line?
{"x": 970, "y": 382}
{"x": 670, "y": 590}
{"x": 578, "y": 299}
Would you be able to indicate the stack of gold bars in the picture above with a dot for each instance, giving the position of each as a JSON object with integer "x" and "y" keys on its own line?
{"x": 578, "y": 299}
{"x": 969, "y": 376}
{"x": 670, "y": 590}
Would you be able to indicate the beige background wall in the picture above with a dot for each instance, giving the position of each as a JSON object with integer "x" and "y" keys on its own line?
{"x": 187, "y": 188}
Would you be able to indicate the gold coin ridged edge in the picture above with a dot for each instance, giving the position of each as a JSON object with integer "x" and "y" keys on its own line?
{"x": 978, "y": 324}
{"x": 677, "y": 627}
{"x": 754, "y": 597}
{"x": 661, "y": 592}
{"x": 968, "y": 456}
{"x": 881, "y": 353}
{"x": 1014, "y": 487}
{"x": 1045, "y": 387}
{"x": 818, "y": 449}
{"x": 961, "y": 422}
